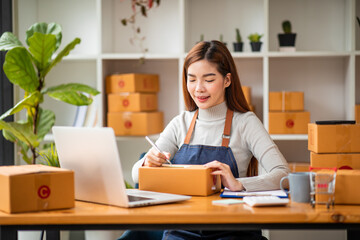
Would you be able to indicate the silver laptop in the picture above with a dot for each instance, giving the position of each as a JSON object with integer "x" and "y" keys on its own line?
{"x": 93, "y": 155}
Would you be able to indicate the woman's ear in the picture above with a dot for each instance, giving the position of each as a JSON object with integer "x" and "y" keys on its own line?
{"x": 227, "y": 80}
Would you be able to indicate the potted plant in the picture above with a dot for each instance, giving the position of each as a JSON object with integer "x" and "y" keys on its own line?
{"x": 27, "y": 68}
{"x": 221, "y": 39}
{"x": 287, "y": 39}
{"x": 255, "y": 42}
{"x": 238, "y": 45}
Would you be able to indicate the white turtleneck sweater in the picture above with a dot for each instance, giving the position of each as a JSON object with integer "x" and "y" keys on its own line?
{"x": 248, "y": 137}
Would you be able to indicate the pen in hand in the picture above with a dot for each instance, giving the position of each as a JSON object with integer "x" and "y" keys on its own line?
{"x": 156, "y": 147}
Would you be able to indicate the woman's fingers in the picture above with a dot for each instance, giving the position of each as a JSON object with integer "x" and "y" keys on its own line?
{"x": 155, "y": 158}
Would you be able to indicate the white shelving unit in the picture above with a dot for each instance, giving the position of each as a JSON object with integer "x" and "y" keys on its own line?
{"x": 326, "y": 65}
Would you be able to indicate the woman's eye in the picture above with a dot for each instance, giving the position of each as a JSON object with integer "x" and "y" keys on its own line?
{"x": 210, "y": 80}
{"x": 191, "y": 80}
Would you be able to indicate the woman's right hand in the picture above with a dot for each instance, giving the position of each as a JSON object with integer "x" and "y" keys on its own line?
{"x": 155, "y": 159}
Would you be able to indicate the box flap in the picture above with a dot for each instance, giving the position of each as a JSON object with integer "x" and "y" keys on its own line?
{"x": 28, "y": 169}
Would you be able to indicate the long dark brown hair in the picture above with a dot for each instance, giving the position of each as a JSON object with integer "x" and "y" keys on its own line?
{"x": 216, "y": 52}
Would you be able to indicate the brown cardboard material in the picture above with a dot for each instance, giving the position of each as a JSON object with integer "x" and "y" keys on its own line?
{"x": 136, "y": 123}
{"x": 29, "y": 188}
{"x": 338, "y": 138}
{"x": 195, "y": 180}
{"x": 132, "y": 102}
{"x": 286, "y": 101}
{"x": 288, "y": 122}
{"x": 299, "y": 167}
{"x": 132, "y": 82}
{"x": 335, "y": 160}
{"x": 347, "y": 190}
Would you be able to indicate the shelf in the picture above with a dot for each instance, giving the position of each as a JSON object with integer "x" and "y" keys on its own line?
{"x": 77, "y": 57}
{"x": 301, "y": 137}
{"x": 310, "y": 54}
{"x": 134, "y": 56}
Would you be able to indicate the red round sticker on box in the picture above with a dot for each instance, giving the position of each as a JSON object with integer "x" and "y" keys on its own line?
{"x": 44, "y": 192}
{"x": 290, "y": 123}
{"x": 128, "y": 124}
{"x": 121, "y": 84}
{"x": 125, "y": 102}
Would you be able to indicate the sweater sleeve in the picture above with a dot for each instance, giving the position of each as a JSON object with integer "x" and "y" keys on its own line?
{"x": 268, "y": 155}
{"x": 168, "y": 141}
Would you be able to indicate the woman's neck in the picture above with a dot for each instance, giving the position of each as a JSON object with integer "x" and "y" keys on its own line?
{"x": 216, "y": 112}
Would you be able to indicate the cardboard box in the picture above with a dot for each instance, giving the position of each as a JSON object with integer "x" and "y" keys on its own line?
{"x": 132, "y": 102}
{"x": 29, "y": 188}
{"x": 132, "y": 82}
{"x": 286, "y": 101}
{"x": 338, "y": 138}
{"x": 247, "y": 93}
{"x": 135, "y": 123}
{"x": 357, "y": 114}
{"x": 299, "y": 167}
{"x": 288, "y": 122}
{"x": 195, "y": 180}
{"x": 347, "y": 190}
{"x": 337, "y": 160}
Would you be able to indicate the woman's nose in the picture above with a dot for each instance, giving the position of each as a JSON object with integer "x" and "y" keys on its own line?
{"x": 199, "y": 86}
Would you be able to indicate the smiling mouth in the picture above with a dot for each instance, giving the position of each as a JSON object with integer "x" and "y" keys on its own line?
{"x": 202, "y": 99}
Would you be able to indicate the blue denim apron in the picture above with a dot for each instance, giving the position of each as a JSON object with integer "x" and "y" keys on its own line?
{"x": 202, "y": 154}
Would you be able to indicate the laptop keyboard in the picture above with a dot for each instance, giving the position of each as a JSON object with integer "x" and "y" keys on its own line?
{"x": 136, "y": 198}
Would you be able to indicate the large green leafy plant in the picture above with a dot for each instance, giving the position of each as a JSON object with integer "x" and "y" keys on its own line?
{"x": 27, "y": 68}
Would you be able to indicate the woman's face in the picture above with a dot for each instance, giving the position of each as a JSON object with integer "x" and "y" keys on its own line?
{"x": 206, "y": 85}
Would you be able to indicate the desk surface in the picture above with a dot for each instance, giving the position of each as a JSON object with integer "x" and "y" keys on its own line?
{"x": 198, "y": 210}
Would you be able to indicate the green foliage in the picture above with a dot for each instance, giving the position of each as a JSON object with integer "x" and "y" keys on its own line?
{"x": 201, "y": 37}
{"x": 255, "y": 37}
{"x": 221, "y": 38}
{"x": 48, "y": 155}
{"x": 286, "y": 26}
{"x": 27, "y": 68}
{"x": 238, "y": 36}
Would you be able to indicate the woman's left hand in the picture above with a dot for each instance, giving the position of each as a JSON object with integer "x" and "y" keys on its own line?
{"x": 227, "y": 178}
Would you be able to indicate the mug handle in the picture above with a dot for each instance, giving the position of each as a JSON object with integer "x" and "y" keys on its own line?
{"x": 281, "y": 184}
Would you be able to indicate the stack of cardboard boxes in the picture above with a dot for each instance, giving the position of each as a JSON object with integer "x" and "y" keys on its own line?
{"x": 338, "y": 146}
{"x": 132, "y": 104}
{"x": 286, "y": 113}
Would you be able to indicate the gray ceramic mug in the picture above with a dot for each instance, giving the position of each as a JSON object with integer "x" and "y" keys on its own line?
{"x": 299, "y": 183}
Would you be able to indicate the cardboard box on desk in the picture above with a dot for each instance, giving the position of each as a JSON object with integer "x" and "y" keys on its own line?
{"x": 286, "y": 101}
{"x": 334, "y": 138}
{"x": 288, "y": 122}
{"x": 132, "y": 102}
{"x": 347, "y": 190}
{"x": 195, "y": 180}
{"x": 29, "y": 188}
{"x": 337, "y": 160}
{"x": 135, "y": 123}
{"x": 132, "y": 82}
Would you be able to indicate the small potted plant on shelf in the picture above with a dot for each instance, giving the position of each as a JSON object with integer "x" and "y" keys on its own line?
{"x": 255, "y": 42}
{"x": 238, "y": 45}
{"x": 221, "y": 39}
{"x": 287, "y": 39}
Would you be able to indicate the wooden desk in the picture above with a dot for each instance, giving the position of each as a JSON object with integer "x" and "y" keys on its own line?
{"x": 197, "y": 213}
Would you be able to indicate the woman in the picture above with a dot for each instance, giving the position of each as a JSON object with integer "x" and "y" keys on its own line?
{"x": 218, "y": 130}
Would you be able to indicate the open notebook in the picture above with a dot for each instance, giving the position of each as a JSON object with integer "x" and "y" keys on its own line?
{"x": 93, "y": 155}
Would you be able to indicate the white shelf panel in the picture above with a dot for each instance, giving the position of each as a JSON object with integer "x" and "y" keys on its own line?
{"x": 357, "y": 53}
{"x": 247, "y": 54}
{"x": 310, "y": 54}
{"x": 77, "y": 57}
{"x": 131, "y": 56}
{"x": 285, "y": 137}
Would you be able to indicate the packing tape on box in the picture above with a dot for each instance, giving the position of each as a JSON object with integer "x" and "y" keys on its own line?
{"x": 43, "y": 188}
{"x": 343, "y": 131}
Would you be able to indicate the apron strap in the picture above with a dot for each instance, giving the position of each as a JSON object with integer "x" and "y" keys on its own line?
{"x": 226, "y": 133}
{"x": 191, "y": 128}
{"x": 227, "y": 128}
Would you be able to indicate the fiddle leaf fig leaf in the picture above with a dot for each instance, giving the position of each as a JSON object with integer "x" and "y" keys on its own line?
{"x": 45, "y": 122}
{"x": 44, "y": 28}
{"x": 62, "y": 54}
{"x": 19, "y": 69}
{"x": 42, "y": 47}
{"x": 31, "y": 101}
{"x": 72, "y": 93}
{"x": 20, "y": 131}
{"x": 9, "y": 41}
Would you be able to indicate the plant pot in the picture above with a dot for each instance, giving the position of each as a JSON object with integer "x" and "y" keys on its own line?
{"x": 238, "y": 46}
{"x": 287, "y": 39}
{"x": 255, "y": 46}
